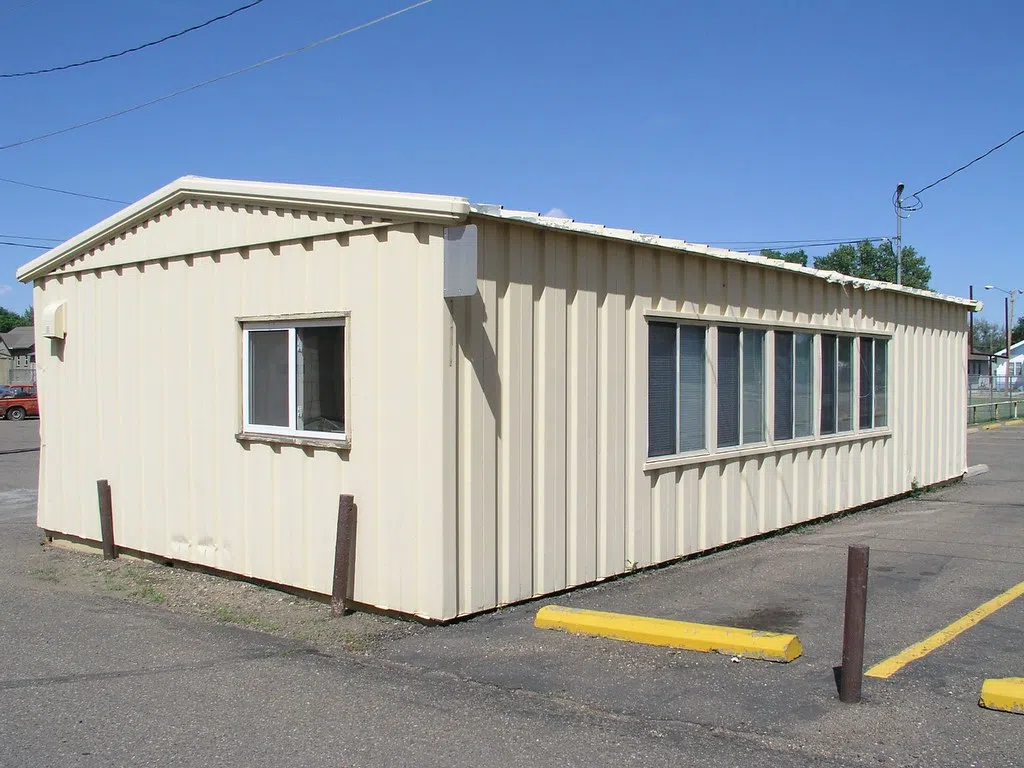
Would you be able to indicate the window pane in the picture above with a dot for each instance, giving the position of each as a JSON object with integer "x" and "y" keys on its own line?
{"x": 867, "y": 387}
{"x": 881, "y": 382}
{"x": 691, "y": 388}
{"x": 728, "y": 387}
{"x": 661, "y": 389}
{"x": 828, "y": 385}
{"x": 844, "y": 388}
{"x": 783, "y": 385}
{"x": 268, "y": 378}
{"x": 319, "y": 379}
{"x": 753, "y": 386}
{"x": 804, "y": 373}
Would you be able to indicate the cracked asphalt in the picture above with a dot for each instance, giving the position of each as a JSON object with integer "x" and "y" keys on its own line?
{"x": 92, "y": 679}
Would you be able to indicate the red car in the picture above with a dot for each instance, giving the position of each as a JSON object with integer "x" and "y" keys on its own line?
{"x": 18, "y": 401}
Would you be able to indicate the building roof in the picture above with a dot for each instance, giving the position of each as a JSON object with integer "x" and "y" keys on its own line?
{"x": 657, "y": 241}
{"x": 440, "y": 208}
{"x": 420, "y": 207}
{"x": 22, "y": 337}
{"x": 1019, "y": 345}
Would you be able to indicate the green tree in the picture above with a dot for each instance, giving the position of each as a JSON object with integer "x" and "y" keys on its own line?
{"x": 794, "y": 257}
{"x": 1018, "y": 330}
{"x": 988, "y": 336}
{"x": 9, "y": 319}
{"x": 877, "y": 262}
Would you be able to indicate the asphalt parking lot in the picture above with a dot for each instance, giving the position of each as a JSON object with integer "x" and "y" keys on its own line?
{"x": 932, "y": 560}
{"x": 497, "y": 691}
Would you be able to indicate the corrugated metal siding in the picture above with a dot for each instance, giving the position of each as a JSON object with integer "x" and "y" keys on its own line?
{"x": 146, "y": 393}
{"x": 551, "y": 408}
{"x": 498, "y": 445}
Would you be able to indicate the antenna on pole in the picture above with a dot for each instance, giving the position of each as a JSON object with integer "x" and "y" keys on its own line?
{"x": 899, "y": 236}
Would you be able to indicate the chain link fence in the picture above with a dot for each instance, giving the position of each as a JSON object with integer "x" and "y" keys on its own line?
{"x": 990, "y": 398}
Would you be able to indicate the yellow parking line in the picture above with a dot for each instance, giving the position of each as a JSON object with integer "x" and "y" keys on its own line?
{"x": 894, "y": 664}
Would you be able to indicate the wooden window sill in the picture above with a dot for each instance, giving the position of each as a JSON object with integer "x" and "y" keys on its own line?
{"x": 300, "y": 441}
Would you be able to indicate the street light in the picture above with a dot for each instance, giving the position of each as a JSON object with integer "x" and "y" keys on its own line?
{"x": 1012, "y": 294}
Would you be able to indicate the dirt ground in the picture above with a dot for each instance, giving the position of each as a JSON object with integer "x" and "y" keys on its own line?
{"x": 186, "y": 591}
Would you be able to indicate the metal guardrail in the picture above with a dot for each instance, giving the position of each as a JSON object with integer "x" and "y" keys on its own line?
{"x": 994, "y": 411}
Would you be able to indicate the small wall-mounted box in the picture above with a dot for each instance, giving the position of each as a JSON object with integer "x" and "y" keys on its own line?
{"x": 55, "y": 320}
{"x": 460, "y": 261}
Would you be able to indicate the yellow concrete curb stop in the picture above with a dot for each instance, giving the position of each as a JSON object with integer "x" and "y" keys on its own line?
{"x": 748, "y": 643}
{"x": 999, "y": 424}
{"x": 1005, "y": 694}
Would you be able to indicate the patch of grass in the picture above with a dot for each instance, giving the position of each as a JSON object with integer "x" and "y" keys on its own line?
{"x": 917, "y": 491}
{"x": 113, "y": 581}
{"x": 228, "y": 615}
{"x": 150, "y": 593}
{"x": 325, "y": 631}
{"x": 45, "y": 574}
{"x": 133, "y": 584}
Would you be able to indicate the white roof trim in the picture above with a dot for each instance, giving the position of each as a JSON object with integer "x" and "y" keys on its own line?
{"x": 656, "y": 241}
{"x": 1002, "y": 352}
{"x": 439, "y": 208}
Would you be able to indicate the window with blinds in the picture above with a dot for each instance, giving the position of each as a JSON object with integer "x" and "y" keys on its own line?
{"x": 839, "y": 373}
{"x": 828, "y": 384}
{"x": 803, "y": 386}
{"x": 675, "y": 388}
{"x": 852, "y": 394}
{"x": 783, "y": 385}
{"x": 794, "y": 382}
{"x": 741, "y": 414}
{"x": 881, "y": 383}
{"x": 873, "y": 386}
{"x": 728, "y": 387}
{"x": 844, "y": 397}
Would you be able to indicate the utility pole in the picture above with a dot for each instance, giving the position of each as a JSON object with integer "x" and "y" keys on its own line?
{"x": 1010, "y": 300}
{"x": 1008, "y": 309}
{"x": 1010, "y": 306}
{"x": 899, "y": 234}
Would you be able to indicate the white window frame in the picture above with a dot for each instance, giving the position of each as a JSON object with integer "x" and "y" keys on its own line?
{"x": 854, "y": 385}
{"x": 765, "y": 431}
{"x": 815, "y": 396}
{"x": 874, "y": 383}
{"x": 291, "y": 326}
{"x": 816, "y": 439}
{"x": 705, "y": 449}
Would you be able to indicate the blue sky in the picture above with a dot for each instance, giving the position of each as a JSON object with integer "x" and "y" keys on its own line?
{"x": 711, "y": 121}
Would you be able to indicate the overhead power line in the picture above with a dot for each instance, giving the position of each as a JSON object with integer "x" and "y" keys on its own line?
{"x": 967, "y": 165}
{"x": 24, "y": 237}
{"x": 821, "y": 244}
{"x": 63, "y": 191}
{"x": 133, "y": 49}
{"x": 219, "y": 78}
{"x": 794, "y": 242}
{"x": 26, "y": 245}
{"x": 18, "y": 7}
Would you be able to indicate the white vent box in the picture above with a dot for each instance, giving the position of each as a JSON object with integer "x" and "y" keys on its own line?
{"x": 55, "y": 320}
